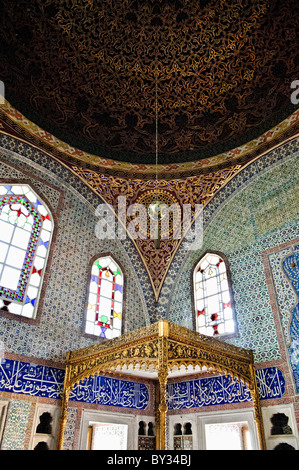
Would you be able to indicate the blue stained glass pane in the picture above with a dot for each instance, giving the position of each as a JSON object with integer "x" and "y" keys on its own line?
{"x": 30, "y": 301}
{"x": 9, "y": 190}
{"x": 119, "y": 288}
{"x": 41, "y": 242}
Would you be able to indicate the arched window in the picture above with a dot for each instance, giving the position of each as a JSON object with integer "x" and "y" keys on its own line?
{"x": 105, "y": 299}
{"x": 213, "y": 300}
{"x": 26, "y": 228}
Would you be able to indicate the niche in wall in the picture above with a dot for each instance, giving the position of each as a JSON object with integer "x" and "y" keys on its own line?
{"x": 280, "y": 427}
{"x": 45, "y": 427}
{"x": 146, "y": 434}
{"x": 183, "y": 438}
{"x": 183, "y": 432}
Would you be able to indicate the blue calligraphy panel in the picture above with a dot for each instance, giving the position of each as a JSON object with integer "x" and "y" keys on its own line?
{"x": 43, "y": 381}
{"x": 220, "y": 390}
{"x": 270, "y": 383}
{"x": 31, "y": 379}
{"x": 223, "y": 390}
{"x": 291, "y": 268}
{"x": 113, "y": 392}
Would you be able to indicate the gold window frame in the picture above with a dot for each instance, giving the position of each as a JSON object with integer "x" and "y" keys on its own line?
{"x": 160, "y": 347}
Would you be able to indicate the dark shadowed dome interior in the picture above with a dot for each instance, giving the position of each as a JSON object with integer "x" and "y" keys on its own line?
{"x": 96, "y": 74}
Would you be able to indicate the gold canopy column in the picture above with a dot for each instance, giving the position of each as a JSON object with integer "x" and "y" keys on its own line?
{"x": 63, "y": 418}
{"x": 64, "y": 403}
{"x": 257, "y": 409}
{"x": 162, "y": 377}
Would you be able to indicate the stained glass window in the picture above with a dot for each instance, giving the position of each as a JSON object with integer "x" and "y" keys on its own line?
{"x": 26, "y": 228}
{"x": 213, "y": 304}
{"x": 105, "y": 300}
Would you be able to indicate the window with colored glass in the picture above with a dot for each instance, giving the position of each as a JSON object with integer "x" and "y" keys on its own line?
{"x": 26, "y": 228}
{"x": 213, "y": 304}
{"x": 105, "y": 299}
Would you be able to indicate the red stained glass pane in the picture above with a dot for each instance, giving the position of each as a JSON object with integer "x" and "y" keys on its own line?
{"x": 212, "y": 297}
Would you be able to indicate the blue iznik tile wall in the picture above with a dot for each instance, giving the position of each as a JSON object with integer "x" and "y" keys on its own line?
{"x": 18, "y": 415}
{"x": 60, "y": 327}
{"x": 257, "y": 210}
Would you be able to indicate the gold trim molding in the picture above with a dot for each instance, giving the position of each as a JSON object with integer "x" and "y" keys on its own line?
{"x": 33, "y": 133}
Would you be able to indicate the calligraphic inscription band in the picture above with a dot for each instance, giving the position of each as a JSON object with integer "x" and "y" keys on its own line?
{"x": 44, "y": 381}
{"x": 223, "y": 390}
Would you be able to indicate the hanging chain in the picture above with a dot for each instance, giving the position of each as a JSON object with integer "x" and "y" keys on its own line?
{"x": 156, "y": 99}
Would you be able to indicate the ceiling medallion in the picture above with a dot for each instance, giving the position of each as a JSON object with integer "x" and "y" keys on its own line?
{"x": 161, "y": 204}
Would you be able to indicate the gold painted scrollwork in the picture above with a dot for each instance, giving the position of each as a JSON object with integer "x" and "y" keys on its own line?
{"x": 190, "y": 190}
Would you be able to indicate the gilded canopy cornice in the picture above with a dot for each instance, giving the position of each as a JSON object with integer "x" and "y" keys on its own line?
{"x": 160, "y": 347}
{"x": 141, "y": 348}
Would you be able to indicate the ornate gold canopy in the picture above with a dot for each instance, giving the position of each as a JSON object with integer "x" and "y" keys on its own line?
{"x": 160, "y": 347}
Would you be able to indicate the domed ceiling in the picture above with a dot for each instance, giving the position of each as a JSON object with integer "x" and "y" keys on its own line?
{"x": 94, "y": 83}
{"x": 97, "y": 74}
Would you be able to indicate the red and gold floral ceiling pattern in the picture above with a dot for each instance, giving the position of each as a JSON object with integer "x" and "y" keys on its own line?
{"x": 86, "y": 71}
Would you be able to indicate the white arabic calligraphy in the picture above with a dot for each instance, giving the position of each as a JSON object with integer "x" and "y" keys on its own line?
{"x": 37, "y": 380}
{"x": 223, "y": 390}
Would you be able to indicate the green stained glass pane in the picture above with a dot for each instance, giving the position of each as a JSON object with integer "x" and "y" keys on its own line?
{"x": 98, "y": 264}
{"x": 104, "y": 319}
